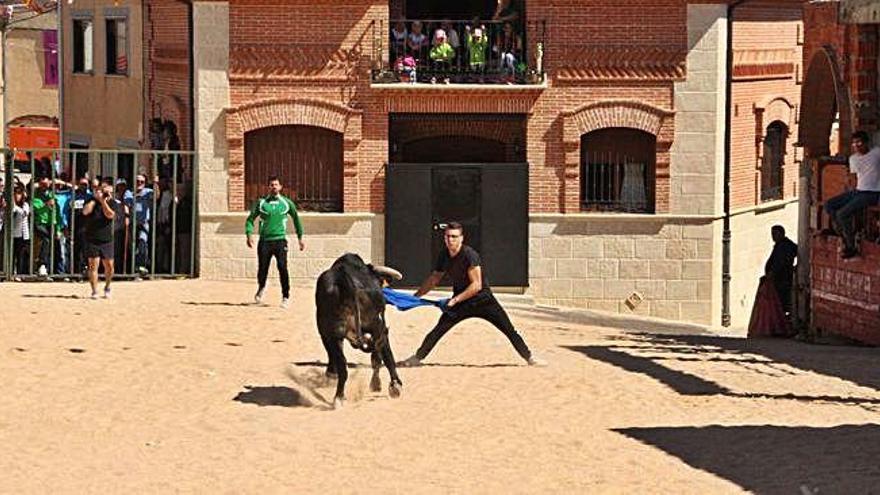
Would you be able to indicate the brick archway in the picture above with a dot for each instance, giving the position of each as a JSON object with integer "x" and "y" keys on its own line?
{"x": 294, "y": 111}
{"x": 626, "y": 114}
{"x": 822, "y": 96}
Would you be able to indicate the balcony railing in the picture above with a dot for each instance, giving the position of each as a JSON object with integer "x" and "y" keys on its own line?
{"x": 459, "y": 52}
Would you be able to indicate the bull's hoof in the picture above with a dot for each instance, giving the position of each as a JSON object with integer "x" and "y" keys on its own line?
{"x": 376, "y": 384}
{"x": 338, "y": 403}
{"x": 394, "y": 390}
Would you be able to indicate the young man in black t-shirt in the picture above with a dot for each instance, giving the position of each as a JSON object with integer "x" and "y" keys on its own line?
{"x": 471, "y": 297}
{"x": 99, "y": 213}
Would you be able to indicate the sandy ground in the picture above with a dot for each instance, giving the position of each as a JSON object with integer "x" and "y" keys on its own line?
{"x": 180, "y": 386}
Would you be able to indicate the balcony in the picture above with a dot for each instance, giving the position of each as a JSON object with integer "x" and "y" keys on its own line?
{"x": 426, "y": 51}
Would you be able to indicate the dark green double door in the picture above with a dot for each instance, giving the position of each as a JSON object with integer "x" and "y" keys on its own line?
{"x": 489, "y": 200}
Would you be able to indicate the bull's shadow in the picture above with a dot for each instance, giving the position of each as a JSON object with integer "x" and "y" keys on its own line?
{"x": 273, "y": 396}
{"x": 776, "y": 459}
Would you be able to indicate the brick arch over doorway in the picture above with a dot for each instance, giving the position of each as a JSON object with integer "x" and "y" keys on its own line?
{"x": 822, "y": 96}
{"x": 294, "y": 111}
{"x": 626, "y": 114}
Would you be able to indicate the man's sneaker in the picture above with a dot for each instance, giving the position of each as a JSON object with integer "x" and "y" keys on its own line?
{"x": 285, "y": 303}
{"x": 536, "y": 361}
{"x": 42, "y": 271}
{"x": 411, "y": 362}
{"x": 107, "y": 293}
{"x": 94, "y": 295}
{"x": 258, "y": 297}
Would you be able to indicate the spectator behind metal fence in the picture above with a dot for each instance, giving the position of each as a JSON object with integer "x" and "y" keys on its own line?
{"x": 47, "y": 224}
{"x": 122, "y": 228}
{"x": 64, "y": 198}
{"x": 164, "y": 209}
{"x": 82, "y": 194}
{"x": 143, "y": 217}
{"x": 21, "y": 211}
{"x": 3, "y": 208}
{"x": 183, "y": 240}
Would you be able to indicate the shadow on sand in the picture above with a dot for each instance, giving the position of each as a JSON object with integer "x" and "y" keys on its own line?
{"x": 53, "y": 296}
{"x": 272, "y": 396}
{"x": 776, "y": 459}
{"x": 233, "y": 304}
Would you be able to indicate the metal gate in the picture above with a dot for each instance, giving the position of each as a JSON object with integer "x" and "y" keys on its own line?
{"x": 489, "y": 200}
{"x": 157, "y": 191}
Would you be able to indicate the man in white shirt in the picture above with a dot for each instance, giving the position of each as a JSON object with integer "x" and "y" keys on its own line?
{"x": 864, "y": 167}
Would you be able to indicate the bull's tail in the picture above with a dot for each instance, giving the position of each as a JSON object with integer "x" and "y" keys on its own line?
{"x": 349, "y": 292}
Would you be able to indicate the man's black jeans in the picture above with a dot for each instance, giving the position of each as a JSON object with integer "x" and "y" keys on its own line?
{"x": 483, "y": 306}
{"x": 265, "y": 251}
{"x": 843, "y": 207}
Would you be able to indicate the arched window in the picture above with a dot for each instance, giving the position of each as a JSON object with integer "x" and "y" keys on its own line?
{"x": 618, "y": 170}
{"x": 773, "y": 161}
{"x": 307, "y": 160}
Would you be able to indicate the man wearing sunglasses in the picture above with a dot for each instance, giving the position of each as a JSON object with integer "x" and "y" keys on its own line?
{"x": 471, "y": 297}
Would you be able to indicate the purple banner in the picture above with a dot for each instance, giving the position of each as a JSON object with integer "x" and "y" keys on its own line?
{"x": 50, "y": 56}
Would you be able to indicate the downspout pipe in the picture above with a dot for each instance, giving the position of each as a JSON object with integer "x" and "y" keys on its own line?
{"x": 728, "y": 132}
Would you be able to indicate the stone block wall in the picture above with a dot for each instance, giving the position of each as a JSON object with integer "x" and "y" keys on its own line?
{"x": 750, "y": 246}
{"x": 697, "y": 153}
{"x": 597, "y": 261}
{"x": 224, "y": 254}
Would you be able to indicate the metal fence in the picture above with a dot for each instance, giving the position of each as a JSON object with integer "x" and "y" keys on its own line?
{"x": 43, "y": 229}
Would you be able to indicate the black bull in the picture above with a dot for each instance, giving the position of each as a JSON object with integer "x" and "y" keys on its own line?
{"x": 350, "y": 306}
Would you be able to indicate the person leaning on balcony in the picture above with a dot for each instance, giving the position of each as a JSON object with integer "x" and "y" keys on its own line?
{"x": 416, "y": 41}
{"x": 508, "y": 46}
{"x": 398, "y": 40}
{"x": 864, "y": 167}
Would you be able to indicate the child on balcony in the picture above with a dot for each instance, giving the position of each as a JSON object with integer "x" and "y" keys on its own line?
{"x": 442, "y": 55}
{"x": 476, "y": 45}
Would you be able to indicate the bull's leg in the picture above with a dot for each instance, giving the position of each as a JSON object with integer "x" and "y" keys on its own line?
{"x": 376, "y": 382}
{"x": 338, "y": 357}
{"x": 331, "y": 364}
{"x": 388, "y": 356}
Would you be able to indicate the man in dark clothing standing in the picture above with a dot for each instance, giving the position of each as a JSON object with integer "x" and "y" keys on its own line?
{"x": 98, "y": 236}
{"x": 780, "y": 266}
{"x": 273, "y": 210}
{"x": 471, "y": 297}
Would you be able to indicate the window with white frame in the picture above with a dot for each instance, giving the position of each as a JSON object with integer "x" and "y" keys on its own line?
{"x": 82, "y": 46}
{"x": 117, "y": 46}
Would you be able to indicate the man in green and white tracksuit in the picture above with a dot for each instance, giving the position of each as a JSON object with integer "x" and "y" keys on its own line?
{"x": 273, "y": 210}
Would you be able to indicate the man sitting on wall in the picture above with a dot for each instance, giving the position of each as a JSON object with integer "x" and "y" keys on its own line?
{"x": 864, "y": 167}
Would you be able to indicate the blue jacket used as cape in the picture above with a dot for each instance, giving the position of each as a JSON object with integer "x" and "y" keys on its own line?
{"x": 404, "y": 301}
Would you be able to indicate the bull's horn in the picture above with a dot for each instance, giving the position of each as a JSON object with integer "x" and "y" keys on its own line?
{"x": 387, "y": 272}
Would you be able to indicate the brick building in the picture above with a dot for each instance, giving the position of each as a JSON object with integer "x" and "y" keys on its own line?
{"x": 127, "y": 80}
{"x": 589, "y": 167}
{"x": 840, "y": 95}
